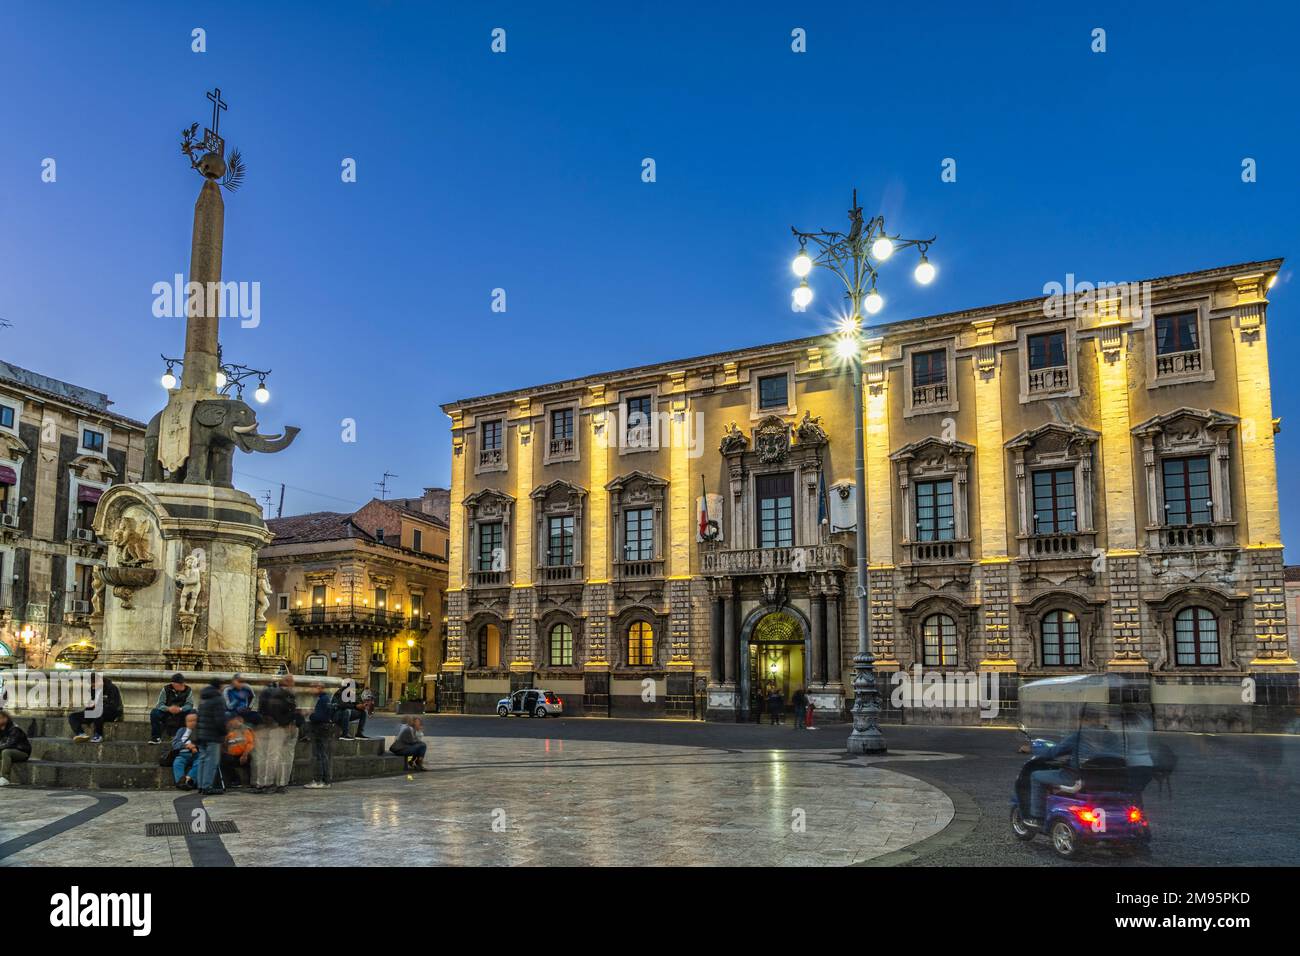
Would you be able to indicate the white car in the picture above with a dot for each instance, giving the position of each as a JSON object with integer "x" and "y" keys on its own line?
{"x": 531, "y": 703}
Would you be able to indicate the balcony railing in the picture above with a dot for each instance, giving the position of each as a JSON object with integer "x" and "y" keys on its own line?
{"x": 560, "y": 446}
{"x": 1190, "y": 536}
{"x": 1178, "y": 363}
{"x": 1049, "y": 379}
{"x": 305, "y": 618}
{"x": 488, "y": 579}
{"x": 815, "y": 557}
{"x": 937, "y": 551}
{"x": 490, "y": 457}
{"x": 1063, "y": 544}
{"x": 936, "y": 394}
{"x": 637, "y": 570}
{"x": 559, "y": 573}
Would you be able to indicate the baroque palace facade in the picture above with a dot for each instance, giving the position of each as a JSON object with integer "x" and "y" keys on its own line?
{"x": 1063, "y": 485}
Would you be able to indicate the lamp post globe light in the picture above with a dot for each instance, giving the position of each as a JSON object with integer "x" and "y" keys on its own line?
{"x": 853, "y": 257}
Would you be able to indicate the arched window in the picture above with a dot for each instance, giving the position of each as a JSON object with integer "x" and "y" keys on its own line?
{"x": 1196, "y": 637}
{"x": 939, "y": 641}
{"x": 640, "y": 644}
{"x": 561, "y": 645}
{"x": 1061, "y": 646}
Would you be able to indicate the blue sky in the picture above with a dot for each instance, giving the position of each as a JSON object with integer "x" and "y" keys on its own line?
{"x": 522, "y": 171}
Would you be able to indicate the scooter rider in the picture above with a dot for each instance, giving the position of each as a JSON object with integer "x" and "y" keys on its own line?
{"x": 1089, "y": 741}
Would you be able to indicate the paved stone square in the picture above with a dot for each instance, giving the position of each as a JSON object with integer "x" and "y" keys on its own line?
{"x": 512, "y": 802}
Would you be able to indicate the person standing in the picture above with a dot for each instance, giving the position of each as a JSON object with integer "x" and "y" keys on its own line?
{"x": 321, "y": 722}
{"x": 800, "y": 704}
{"x": 14, "y": 746}
{"x": 273, "y": 755}
{"x": 238, "y": 697}
{"x": 105, "y": 707}
{"x": 174, "y": 701}
{"x": 410, "y": 744}
{"x": 775, "y": 705}
{"x": 209, "y": 734}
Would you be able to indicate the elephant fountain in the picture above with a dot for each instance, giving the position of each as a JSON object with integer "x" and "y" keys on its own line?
{"x": 217, "y": 427}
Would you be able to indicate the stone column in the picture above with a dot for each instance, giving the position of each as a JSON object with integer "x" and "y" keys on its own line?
{"x": 729, "y": 636}
{"x": 834, "y": 664}
{"x": 200, "y": 372}
{"x": 817, "y": 658}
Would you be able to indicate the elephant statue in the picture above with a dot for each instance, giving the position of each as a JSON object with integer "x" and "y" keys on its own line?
{"x": 217, "y": 427}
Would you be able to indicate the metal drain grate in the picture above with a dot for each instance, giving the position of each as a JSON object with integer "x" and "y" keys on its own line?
{"x": 182, "y": 829}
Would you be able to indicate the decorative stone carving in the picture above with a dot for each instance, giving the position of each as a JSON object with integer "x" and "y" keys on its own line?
{"x": 125, "y": 581}
{"x": 190, "y": 580}
{"x": 772, "y": 439}
{"x": 263, "y": 594}
{"x": 132, "y": 539}
{"x": 810, "y": 430}
{"x": 97, "y": 593}
{"x": 733, "y": 440}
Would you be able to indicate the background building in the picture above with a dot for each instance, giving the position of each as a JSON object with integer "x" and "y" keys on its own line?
{"x": 1056, "y": 486}
{"x": 361, "y": 595}
{"x": 60, "y": 448}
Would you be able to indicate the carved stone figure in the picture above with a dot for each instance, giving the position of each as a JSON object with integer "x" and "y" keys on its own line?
{"x": 772, "y": 440}
{"x": 733, "y": 440}
{"x": 217, "y": 427}
{"x": 97, "y": 592}
{"x": 190, "y": 580}
{"x": 132, "y": 540}
{"x": 263, "y": 594}
{"x": 810, "y": 430}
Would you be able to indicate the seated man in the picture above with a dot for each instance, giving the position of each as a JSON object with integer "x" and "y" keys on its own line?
{"x": 237, "y": 752}
{"x": 174, "y": 701}
{"x": 1089, "y": 741}
{"x": 347, "y": 711}
{"x": 186, "y": 750}
{"x": 14, "y": 746}
{"x": 239, "y": 701}
{"x": 104, "y": 708}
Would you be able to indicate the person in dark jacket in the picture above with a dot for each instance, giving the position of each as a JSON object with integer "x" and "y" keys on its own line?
{"x": 238, "y": 697}
{"x": 105, "y": 707}
{"x": 775, "y": 706}
{"x": 277, "y": 737}
{"x": 14, "y": 746}
{"x": 174, "y": 701}
{"x": 209, "y": 734}
{"x": 321, "y": 722}
{"x": 347, "y": 710}
{"x": 410, "y": 744}
{"x": 800, "y": 704}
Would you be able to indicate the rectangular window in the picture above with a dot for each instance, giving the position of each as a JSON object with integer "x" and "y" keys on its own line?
{"x": 1187, "y": 491}
{"x": 491, "y": 436}
{"x": 1047, "y": 350}
{"x": 935, "y": 517}
{"x": 775, "y": 511}
{"x": 490, "y": 546}
{"x": 1177, "y": 333}
{"x": 92, "y": 440}
{"x": 773, "y": 391}
{"x": 6, "y": 416}
{"x": 417, "y": 606}
{"x": 638, "y": 422}
{"x": 559, "y": 547}
{"x": 638, "y": 534}
{"x": 318, "y": 603}
{"x": 561, "y": 424}
{"x": 381, "y": 599}
{"x": 283, "y": 602}
{"x": 417, "y": 540}
{"x": 929, "y": 368}
{"x": 1054, "y": 509}
{"x": 378, "y": 651}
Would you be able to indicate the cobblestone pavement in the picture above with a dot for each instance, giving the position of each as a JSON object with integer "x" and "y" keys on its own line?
{"x": 516, "y": 801}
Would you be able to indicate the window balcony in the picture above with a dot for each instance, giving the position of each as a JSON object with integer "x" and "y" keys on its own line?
{"x": 1178, "y": 363}
{"x": 638, "y": 570}
{"x": 1045, "y": 380}
{"x": 932, "y": 551}
{"x": 559, "y": 573}
{"x": 345, "y": 619}
{"x": 1062, "y": 544}
{"x": 560, "y": 447}
{"x": 1178, "y": 537}
{"x": 926, "y": 395}
{"x": 489, "y": 579}
{"x": 491, "y": 458}
{"x": 794, "y": 560}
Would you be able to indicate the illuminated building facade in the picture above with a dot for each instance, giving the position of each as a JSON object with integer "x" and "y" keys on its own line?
{"x": 1078, "y": 483}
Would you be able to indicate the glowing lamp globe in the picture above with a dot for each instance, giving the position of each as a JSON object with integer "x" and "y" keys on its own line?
{"x": 802, "y": 264}
{"x": 803, "y": 295}
{"x": 924, "y": 271}
{"x": 882, "y": 248}
{"x": 873, "y": 302}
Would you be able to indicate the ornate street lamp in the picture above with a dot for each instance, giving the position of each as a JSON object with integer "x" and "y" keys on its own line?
{"x": 853, "y": 256}
{"x": 228, "y": 376}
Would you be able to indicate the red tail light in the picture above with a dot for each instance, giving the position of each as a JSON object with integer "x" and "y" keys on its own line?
{"x": 560, "y": 701}
{"x": 1134, "y": 815}
{"x": 1086, "y": 814}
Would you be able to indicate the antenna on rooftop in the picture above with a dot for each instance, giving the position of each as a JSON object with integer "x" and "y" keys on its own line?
{"x": 382, "y": 485}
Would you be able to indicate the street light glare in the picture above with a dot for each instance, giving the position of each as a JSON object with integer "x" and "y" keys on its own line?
{"x": 221, "y": 380}
{"x": 924, "y": 271}
{"x": 168, "y": 380}
{"x": 803, "y": 295}
{"x": 846, "y": 347}
{"x": 802, "y": 264}
{"x": 882, "y": 248}
{"x": 263, "y": 394}
{"x": 873, "y": 302}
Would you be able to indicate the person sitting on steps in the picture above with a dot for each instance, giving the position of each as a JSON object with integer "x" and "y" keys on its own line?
{"x": 174, "y": 701}
{"x": 14, "y": 746}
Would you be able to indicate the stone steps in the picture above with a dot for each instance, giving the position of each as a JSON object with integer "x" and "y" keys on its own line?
{"x": 124, "y": 761}
{"x": 97, "y": 775}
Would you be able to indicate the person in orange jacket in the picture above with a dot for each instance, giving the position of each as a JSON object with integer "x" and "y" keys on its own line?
{"x": 237, "y": 753}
